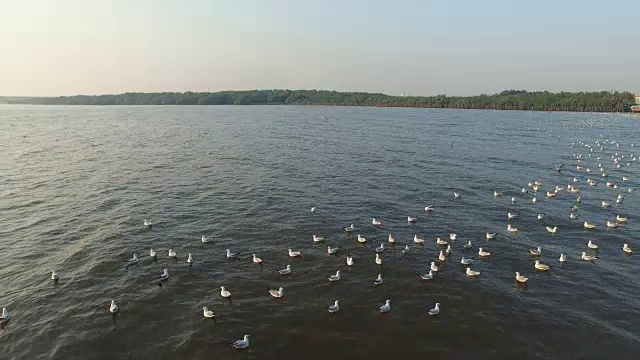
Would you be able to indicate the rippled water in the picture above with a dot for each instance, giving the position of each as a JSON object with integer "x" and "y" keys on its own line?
{"x": 77, "y": 182}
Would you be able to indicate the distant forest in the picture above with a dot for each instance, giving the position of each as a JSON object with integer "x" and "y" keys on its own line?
{"x": 602, "y": 101}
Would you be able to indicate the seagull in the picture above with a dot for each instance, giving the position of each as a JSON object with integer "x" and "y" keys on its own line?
{"x": 511, "y": 228}
{"x": 380, "y": 248}
{"x": 592, "y": 245}
{"x": 172, "y": 254}
{"x": 626, "y": 249}
{"x": 205, "y": 239}
{"x": 241, "y": 344}
{"x": 439, "y": 241}
{"x": 621, "y": 219}
{"x": 429, "y": 208}
{"x": 472, "y": 272}
{"x": 317, "y": 238}
{"x": 376, "y": 222}
{"x": 586, "y": 257}
{"x": 190, "y": 260}
{"x": 497, "y": 194}
{"x": 572, "y": 215}
{"x": 391, "y": 239}
{"x": 378, "y": 259}
{"x": 231, "y": 255}
{"x": 434, "y": 267}
{"x": 378, "y": 280}
{"x": 5, "y": 318}
{"x": 521, "y": 278}
{"x": 313, "y": 209}
{"x": 483, "y": 253}
{"x": 435, "y": 310}
{"x": 335, "y": 277}
{"x": 112, "y": 309}
{"x": 466, "y": 261}
{"x": 448, "y": 250}
{"x": 148, "y": 223}
{"x": 294, "y": 253}
{"x": 457, "y": 195}
{"x": 524, "y": 191}
{"x": 256, "y": 260}
{"x": 285, "y": 271}
{"x": 334, "y": 308}
{"x": 513, "y": 199}
{"x": 386, "y": 307}
{"x": 165, "y": 275}
{"x": 441, "y": 257}
{"x": 618, "y": 200}
{"x": 411, "y": 219}
{"x": 605, "y": 204}
{"x": 417, "y": 240}
{"x": 453, "y": 236}
{"x": 511, "y": 215}
{"x": 207, "y": 313}
{"x": 152, "y": 253}
{"x": 54, "y": 277}
{"x": 276, "y": 293}
{"x": 224, "y": 293}
{"x": 349, "y": 228}
{"x": 540, "y": 266}
{"x": 349, "y": 260}
{"x": 588, "y": 225}
{"x": 535, "y": 252}
{"x": 332, "y": 250}
{"x": 533, "y": 200}
{"x": 612, "y": 224}
{"x": 405, "y": 250}
{"x": 551, "y": 194}
{"x": 540, "y": 216}
{"x": 559, "y": 168}
{"x": 563, "y": 257}
{"x": 428, "y": 276}
{"x": 552, "y": 229}
{"x": 490, "y": 236}
{"x": 361, "y": 239}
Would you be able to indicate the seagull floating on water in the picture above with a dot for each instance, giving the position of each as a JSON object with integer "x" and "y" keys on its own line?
{"x": 5, "y": 318}
{"x": 332, "y": 250}
{"x": 317, "y": 238}
{"x": 277, "y": 293}
{"x": 349, "y": 260}
{"x": 621, "y": 219}
{"x": 231, "y": 255}
{"x": 497, "y": 194}
{"x": 378, "y": 259}
{"x": 540, "y": 216}
{"x": 535, "y": 252}
{"x": 434, "y": 267}
{"x": 335, "y": 277}
{"x": 418, "y": 240}
{"x": 205, "y": 239}
{"x": 588, "y": 225}
{"x": 439, "y": 241}
{"x": 591, "y": 245}
{"x": 605, "y": 204}
{"x": 361, "y": 239}
{"x": 511, "y": 215}
{"x": 190, "y": 259}
{"x": 148, "y": 223}
{"x": 256, "y": 260}
{"x": 435, "y": 310}
{"x": 152, "y": 253}
{"x": 441, "y": 257}
{"x": 552, "y": 230}
{"x": 349, "y": 228}
{"x": 429, "y": 208}
{"x": 448, "y": 250}
{"x": 563, "y": 257}
{"x": 521, "y": 278}
{"x": 165, "y": 275}
{"x": 386, "y": 307}
{"x": 334, "y": 308}
{"x": 573, "y": 215}
{"x": 411, "y": 219}
{"x": 313, "y": 209}
{"x": 586, "y": 257}
{"x": 207, "y": 313}
{"x": 241, "y": 344}
{"x": 285, "y": 271}
{"x": 453, "y": 236}
{"x": 294, "y": 253}
{"x": 54, "y": 277}
{"x": 470, "y": 272}
{"x": 540, "y": 266}
{"x": 513, "y": 199}
{"x": 483, "y": 253}
{"x": 489, "y": 236}
{"x": 112, "y": 309}
{"x": 427, "y": 276}
{"x": 378, "y": 280}
{"x": 405, "y": 250}
{"x": 511, "y": 228}
{"x": 612, "y": 224}
{"x": 172, "y": 254}
{"x": 466, "y": 261}
{"x": 380, "y": 248}
{"x": 457, "y": 195}
{"x": 224, "y": 292}
{"x": 376, "y": 222}
{"x": 533, "y": 200}
{"x": 626, "y": 248}
{"x": 391, "y": 239}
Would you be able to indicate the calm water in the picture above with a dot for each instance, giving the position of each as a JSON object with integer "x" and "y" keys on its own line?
{"x": 77, "y": 182}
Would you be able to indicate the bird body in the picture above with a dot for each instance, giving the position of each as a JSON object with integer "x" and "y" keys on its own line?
{"x": 294, "y": 253}
{"x": 472, "y": 272}
{"x": 112, "y": 309}
{"x": 207, "y": 313}
{"x": 435, "y": 310}
{"x": 276, "y": 293}
{"x": 241, "y": 344}
{"x": 540, "y": 266}
{"x": 521, "y": 278}
{"x": 285, "y": 271}
{"x": 335, "y": 307}
{"x": 224, "y": 292}
{"x": 386, "y": 307}
{"x": 335, "y": 277}
{"x": 483, "y": 253}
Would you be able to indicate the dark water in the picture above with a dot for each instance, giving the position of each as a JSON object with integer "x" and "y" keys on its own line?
{"x": 77, "y": 182}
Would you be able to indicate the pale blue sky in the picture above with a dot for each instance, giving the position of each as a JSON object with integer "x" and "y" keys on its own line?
{"x": 63, "y": 47}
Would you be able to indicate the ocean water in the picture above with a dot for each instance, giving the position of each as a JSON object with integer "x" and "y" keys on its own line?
{"x": 76, "y": 184}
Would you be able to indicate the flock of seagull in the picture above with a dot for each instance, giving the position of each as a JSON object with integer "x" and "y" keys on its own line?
{"x": 445, "y": 252}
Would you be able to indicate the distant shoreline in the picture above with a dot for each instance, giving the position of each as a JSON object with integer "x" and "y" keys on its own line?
{"x": 603, "y": 101}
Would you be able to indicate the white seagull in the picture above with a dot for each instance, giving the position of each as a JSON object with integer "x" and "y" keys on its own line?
{"x": 378, "y": 259}
{"x": 497, "y": 194}
{"x": 54, "y": 276}
{"x": 441, "y": 257}
{"x": 626, "y": 249}
{"x": 521, "y": 278}
{"x": 313, "y": 209}
{"x": 294, "y": 253}
{"x": 483, "y": 253}
{"x": 411, "y": 219}
{"x": 511, "y": 228}
{"x": 472, "y": 272}
{"x": 591, "y": 245}
{"x": 621, "y": 219}
{"x": 405, "y": 250}
{"x": 148, "y": 223}
{"x": 205, "y": 239}
{"x": 540, "y": 216}
{"x": 207, "y": 313}
{"x": 334, "y": 308}
{"x": 241, "y": 344}
{"x": 434, "y": 267}
{"x": 276, "y": 293}
{"x": 378, "y": 280}
{"x": 152, "y": 253}
{"x": 349, "y": 228}
{"x": 230, "y": 254}
{"x": 112, "y": 309}
{"x": 335, "y": 277}
{"x": 453, "y": 236}
{"x": 285, "y": 271}
{"x": 535, "y": 252}
{"x": 563, "y": 257}
{"x": 490, "y": 236}
{"x": 457, "y": 195}
{"x": 586, "y": 257}
{"x": 165, "y": 274}
{"x": 612, "y": 224}
{"x": 511, "y": 215}
{"x": 361, "y": 239}
{"x": 189, "y": 259}
{"x": 418, "y": 240}
{"x": 172, "y": 253}
{"x": 386, "y": 307}
{"x": 376, "y": 222}
{"x": 380, "y": 248}
{"x": 429, "y": 208}
{"x": 588, "y": 225}
{"x": 391, "y": 239}
{"x": 466, "y": 261}
{"x": 256, "y": 259}
{"x": 540, "y": 266}
{"x": 428, "y": 276}
{"x": 439, "y": 241}
{"x": 552, "y": 229}
{"x": 332, "y": 250}
{"x": 317, "y": 238}
{"x": 349, "y": 260}
{"x": 435, "y": 310}
{"x": 224, "y": 292}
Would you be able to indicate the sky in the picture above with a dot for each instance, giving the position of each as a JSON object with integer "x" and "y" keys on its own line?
{"x": 414, "y": 47}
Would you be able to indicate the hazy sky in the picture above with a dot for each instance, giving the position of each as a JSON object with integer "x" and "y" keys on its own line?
{"x": 419, "y": 47}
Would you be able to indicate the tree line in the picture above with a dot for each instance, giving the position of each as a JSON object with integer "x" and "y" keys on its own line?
{"x": 602, "y": 101}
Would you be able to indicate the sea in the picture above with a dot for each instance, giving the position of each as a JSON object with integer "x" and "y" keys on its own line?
{"x": 78, "y": 182}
